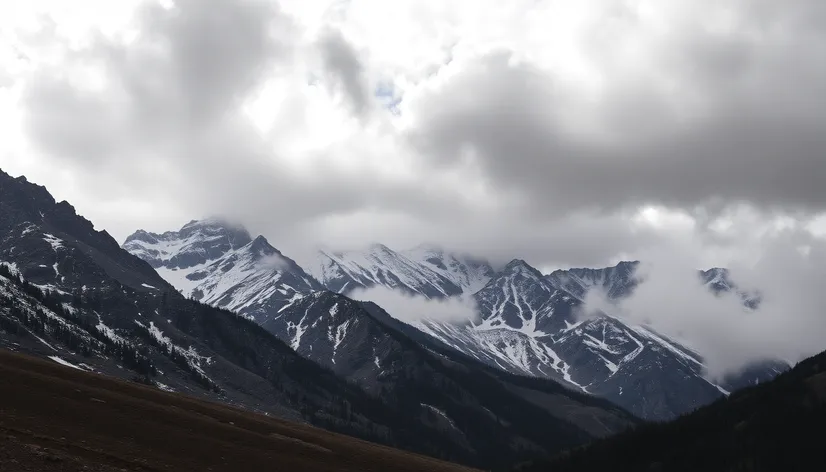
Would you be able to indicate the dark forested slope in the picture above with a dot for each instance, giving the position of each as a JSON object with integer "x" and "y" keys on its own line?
{"x": 776, "y": 426}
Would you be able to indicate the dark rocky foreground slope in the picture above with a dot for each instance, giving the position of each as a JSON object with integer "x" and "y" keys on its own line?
{"x": 779, "y": 425}
{"x": 57, "y": 418}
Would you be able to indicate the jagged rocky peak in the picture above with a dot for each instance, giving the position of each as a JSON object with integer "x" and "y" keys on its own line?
{"x": 616, "y": 281}
{"x": 56, "y": 248}
{"x": 519, "y": 266}
{"x": 378, "y": 265}
{"x": 267, "y": 256}
{"x": 143, "y": 236}
{"x": 468, "y": 272}
{"x": 218, "y": 263}
{"x": 718, "y": 279}
{"x": 260, "y": 245}
{"x": 196, "y": 243}
{"x": 623, "y": 270}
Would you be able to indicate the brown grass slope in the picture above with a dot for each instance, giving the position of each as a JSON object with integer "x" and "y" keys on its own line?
{"x": 55, "y": 418}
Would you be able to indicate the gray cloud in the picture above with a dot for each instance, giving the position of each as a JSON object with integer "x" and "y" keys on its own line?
{"x": 503, "y": 157}
{"x": 167, "y": 125}
{"x": 758, "y": 135}
{"x": 188, "y": 69}
{"x": 169, "y": 111}
{"x": 412, "y": 309}
{"x": 346, "y": 70}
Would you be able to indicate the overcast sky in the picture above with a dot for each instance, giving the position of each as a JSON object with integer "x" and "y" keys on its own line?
{"x": 565, "y": 133}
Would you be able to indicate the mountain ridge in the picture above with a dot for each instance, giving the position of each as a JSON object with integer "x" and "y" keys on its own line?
{"x": 530, "y": 324}
{"x": 222, "y": 265}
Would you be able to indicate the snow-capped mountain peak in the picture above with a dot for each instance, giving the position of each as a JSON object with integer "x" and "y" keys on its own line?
{"x": 379, "y": 265}
{"x": 196, "y": 243}
{"x": 519, "y": 266}
{"x": 468, "y": 272}
{"x": 220, "y": 264}
{"x": 717, "y": 279}
{"x": 616, "y": 282}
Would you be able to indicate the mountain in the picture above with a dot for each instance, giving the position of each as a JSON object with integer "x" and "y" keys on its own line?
{"x": 468, "y": 272}
{"x": 496, "y": 414}
{"x": 69, "y": 293}
{"x": 366, "y": 346}
{"x": 615, "y": 282}
{"x": 533, "y": 324}
{"x": 777, "y": 425}
{"x": 426, "y": 271}
{"x": 219, "y": 264}
{"x": 56, "y": 249}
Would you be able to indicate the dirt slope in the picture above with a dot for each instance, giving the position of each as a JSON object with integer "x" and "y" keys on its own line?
{"x": 55, "y": 418}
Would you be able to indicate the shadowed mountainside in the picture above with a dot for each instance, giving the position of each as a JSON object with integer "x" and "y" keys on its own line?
{"x": 777, "y": 425}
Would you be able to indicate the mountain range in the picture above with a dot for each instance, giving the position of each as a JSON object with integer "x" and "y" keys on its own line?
{"x": 535, "y": 324}
{"x": 528, "y": 324}
{"x": 268, "y": 338}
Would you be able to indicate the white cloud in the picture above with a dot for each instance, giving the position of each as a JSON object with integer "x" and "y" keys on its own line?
{"x": 274, "y": 261}
{"x": 414, "y": 308}
{"x": 789, "y": 323}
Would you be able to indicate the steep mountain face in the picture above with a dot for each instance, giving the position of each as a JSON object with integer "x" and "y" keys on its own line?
{"x": 532, "y": 324}
{"x": 221, "y": 265}
{"x": 53, "y": 247}
{"x": 501, "y": 416}
{"x": 615, "y": 282}
{"x": 777, "y": 425}
{"x": 108, "y": 311}
{"x": 337, "y": 333}
{"x": 425, "y": 271}
{"x": 468, "y": 272}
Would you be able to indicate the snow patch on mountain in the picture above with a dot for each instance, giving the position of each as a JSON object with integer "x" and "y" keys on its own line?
{"x": 54, "y": 241}
{"x": 193, "y": 359}
{"x": 64, "y": 362}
